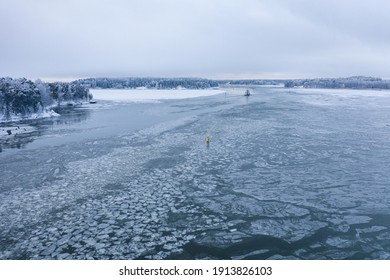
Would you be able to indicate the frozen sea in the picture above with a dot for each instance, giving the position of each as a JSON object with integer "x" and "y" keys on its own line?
{"x": 288, "y": 174}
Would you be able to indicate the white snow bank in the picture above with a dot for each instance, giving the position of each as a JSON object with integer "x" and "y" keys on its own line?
{"x": 46, "y": 114}
{"x": 341, "y": 92}
{"x": 149, "y": 95}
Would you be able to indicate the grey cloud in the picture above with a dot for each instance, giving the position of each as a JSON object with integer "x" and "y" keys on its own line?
{"x": 212, "y": 38}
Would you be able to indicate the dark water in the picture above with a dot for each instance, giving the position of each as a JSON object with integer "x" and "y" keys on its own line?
{"x": 287, "y": 175}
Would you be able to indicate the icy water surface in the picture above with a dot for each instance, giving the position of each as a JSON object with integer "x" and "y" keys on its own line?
{"x": 287, "y": 175}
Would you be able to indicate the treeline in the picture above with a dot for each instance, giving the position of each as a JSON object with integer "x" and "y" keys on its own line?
{"x": 155, "y": 83}
{"x": 357, "y": 82}
{"x": 23, "y": 97}
{"x": 252, "y": 82}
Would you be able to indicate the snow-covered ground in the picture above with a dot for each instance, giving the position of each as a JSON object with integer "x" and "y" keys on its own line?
{"x": 15, "y": 118}
{"x": 149, "y": 95}
{"x": 339, "y": 92}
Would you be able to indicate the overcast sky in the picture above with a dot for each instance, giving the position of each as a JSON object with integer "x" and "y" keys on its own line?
{"x": 53, "y": 39}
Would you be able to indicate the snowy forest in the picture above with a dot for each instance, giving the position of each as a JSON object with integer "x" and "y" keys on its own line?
{"x": 22, "y": 97}
{"x": 356, "y": 82}
{"x": 156, "y": 83}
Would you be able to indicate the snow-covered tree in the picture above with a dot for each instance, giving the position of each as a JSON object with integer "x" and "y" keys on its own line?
{"x": 6, "y": 86}
{"x": 26, "y": 99}
{"x": 44, "y": 90}
{"x": 23, "y": 97}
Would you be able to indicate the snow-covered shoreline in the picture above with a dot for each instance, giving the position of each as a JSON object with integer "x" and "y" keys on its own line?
{"x": 13, "y": 129}
{"x": 339, "y": 91}
{"x": 17, "y": 118}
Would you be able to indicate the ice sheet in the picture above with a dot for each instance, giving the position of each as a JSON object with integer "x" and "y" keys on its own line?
{"x": 149, "y": 95}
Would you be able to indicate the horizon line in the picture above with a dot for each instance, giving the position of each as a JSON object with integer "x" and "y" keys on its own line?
{"x": 72, "y": 79}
